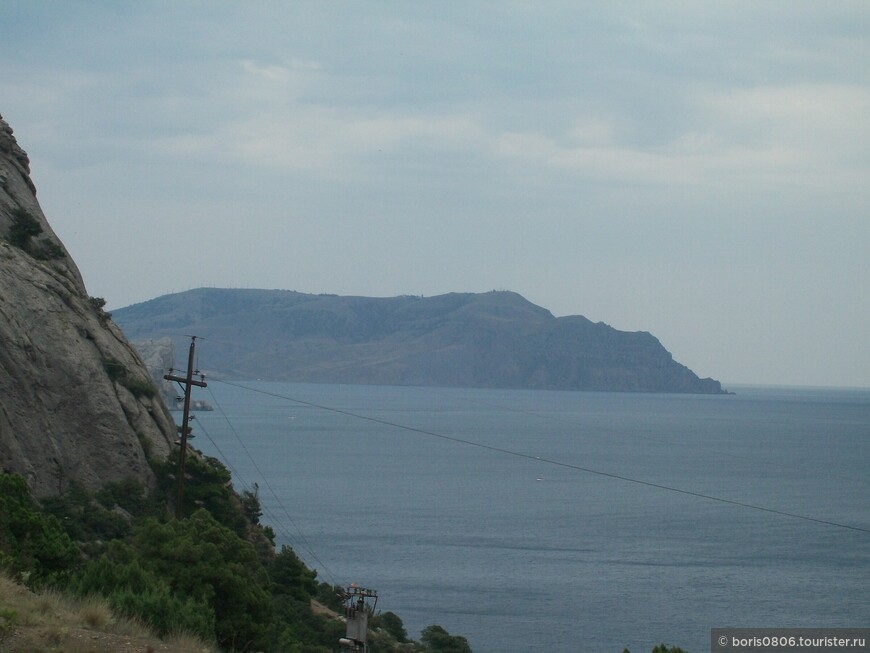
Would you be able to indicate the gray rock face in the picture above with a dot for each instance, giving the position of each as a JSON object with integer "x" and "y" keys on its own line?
{"x": 76, "y": 402}
{"x": 159, "y": 356}
{"x": 494, "y": 340}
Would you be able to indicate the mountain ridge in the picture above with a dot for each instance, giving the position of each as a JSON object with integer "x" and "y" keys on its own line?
{"x": 497, "y": 339}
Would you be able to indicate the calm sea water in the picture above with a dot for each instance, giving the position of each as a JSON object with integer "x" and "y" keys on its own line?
{"x": 520, "y": 554}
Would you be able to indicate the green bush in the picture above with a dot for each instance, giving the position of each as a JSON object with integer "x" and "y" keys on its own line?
{"x": 208, "y": 485}
{"x": 83, "y": 519}
{"x": 33, "y": 542}
{"x": 438, "y": 639}
{"x": 116, "y": 370}
{"x": 131, "y": 496}
{"x": 89, "y": 518}
{"x": 251, "y": 504}
{"x": 24, "y": 227}
{"x": 119, "y": 373}
{"x": 47, "y": 250}
{"x": 8, "y": 619}
{"x": 291, "y": 577}
{"x": 330, "y": 596}
{"x": 164, "y": 612}
{"x": 295, "y": 624}
{"x": 209, "y": 563}
{"x": 392, "y": 623}
{"x": 139, "y": 387}
{"x": 139, "y": 593}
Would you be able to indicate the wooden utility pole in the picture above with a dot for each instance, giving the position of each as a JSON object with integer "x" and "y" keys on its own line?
{"x": 188, "y": 381}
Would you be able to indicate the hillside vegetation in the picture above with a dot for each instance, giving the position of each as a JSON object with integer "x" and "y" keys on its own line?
{"x": 113, "y": 562}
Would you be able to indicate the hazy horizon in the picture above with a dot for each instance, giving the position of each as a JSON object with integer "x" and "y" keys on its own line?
{"x": 697, "y": 171}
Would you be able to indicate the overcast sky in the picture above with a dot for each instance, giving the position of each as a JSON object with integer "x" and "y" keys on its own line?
{"x": 699, "y": 170}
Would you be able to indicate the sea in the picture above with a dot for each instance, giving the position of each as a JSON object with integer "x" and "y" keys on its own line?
{"x": 552, "y": 521}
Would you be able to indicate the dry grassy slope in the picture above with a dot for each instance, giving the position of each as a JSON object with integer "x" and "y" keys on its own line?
{"x": 52, "y": 623}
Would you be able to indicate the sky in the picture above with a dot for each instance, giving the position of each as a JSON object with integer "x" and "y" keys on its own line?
{"x": 698, "y": 170}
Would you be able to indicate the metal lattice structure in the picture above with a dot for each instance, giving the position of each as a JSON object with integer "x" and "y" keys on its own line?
{"x": 359, "y": 604}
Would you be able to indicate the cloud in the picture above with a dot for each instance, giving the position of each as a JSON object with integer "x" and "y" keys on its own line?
{"x": 313, "y": 138}
{"x": 279, "y": 73}
{"x": 807, "y": 135}
{"x": 828, "y": 119}
{"x": 268, "y": 72}
{"x": 275, "y": 121}
{"x": 787, "y": 135}
{"x": 592, "y": 131}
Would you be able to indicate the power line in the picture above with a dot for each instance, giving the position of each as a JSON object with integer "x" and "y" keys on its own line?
{"x": 304, "y": 540}
{"x": 546, "y": 416}
{"x": 247, "y": 487}
{"x": 778, "y": 464}
{"x": 557, "y": 463}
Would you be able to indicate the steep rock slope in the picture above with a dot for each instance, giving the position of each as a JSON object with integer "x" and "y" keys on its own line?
{"x": 76, "y": 403}
{"x": 496, "y": 339}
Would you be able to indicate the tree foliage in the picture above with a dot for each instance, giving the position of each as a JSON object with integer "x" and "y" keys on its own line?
{"x": 438, "y": 639}
{"x": 24, "y": 227}
{"x": 392, "y": 623}
{"x": 210, "y": 563}
{"x": 290, "y": 577}
{"x": 206, "y": 574}
{"x": 22, "y": 232}
{"x": 208, "y": 485}
{"x": 31, "y": 541}
{"x": 251, "y": 504}
{"x": 84, "y": 519}
{"x": 138, "y": 592}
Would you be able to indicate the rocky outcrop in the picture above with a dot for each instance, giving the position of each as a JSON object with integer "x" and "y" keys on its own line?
{"x": 495, "y": 340}
{"x": 159, "y": 356}
{"x": 76, "y": 402}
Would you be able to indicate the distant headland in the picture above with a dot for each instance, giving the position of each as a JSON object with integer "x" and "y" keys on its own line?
{"x": 480, "y": 340}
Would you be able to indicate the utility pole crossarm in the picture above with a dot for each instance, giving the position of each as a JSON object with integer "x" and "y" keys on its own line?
{"x": 181, "y": 379}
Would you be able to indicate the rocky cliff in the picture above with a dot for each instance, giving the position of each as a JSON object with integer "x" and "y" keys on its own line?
{"x": 158, "y": 357}
{"x": 76, "y": 403}
{"x": 496, "y": 340}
